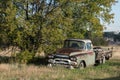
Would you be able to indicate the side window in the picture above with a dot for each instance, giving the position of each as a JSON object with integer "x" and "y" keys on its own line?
{"x": 89, "y": 46}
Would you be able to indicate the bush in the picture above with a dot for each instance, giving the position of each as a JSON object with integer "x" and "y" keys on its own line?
{"x": 24, "y": 56}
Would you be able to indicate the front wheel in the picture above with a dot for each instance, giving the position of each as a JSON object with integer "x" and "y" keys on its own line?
{"x": 82, "y": 65}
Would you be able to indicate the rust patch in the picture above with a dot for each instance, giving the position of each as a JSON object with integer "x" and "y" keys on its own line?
{"x": 67, "y": 51}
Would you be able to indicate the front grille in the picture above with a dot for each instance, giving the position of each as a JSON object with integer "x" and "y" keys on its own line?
{"x": 61, "y": 56}
{"x": 62, "y": 61}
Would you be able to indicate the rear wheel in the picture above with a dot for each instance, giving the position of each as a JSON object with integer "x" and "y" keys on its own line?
{"x": 107, "y": 57}
{"x": 100, "y": 61}
{"x": 103, "y": 60}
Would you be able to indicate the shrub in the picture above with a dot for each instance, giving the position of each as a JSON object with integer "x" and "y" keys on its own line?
{"x": 24, "y": 56}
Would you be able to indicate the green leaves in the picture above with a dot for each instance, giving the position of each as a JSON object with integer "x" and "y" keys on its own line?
{"x": 24, "y": 57}
{"x": 35, "y": 25}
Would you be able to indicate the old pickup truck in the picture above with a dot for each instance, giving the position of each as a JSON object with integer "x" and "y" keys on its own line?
{"x": 76, "y": 53}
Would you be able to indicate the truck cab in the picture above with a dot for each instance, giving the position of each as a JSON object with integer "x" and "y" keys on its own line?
{"x": 76, "y": 53}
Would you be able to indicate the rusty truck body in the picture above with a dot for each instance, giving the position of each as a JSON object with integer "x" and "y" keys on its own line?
{"x": 99, "y": 55}
{"x": 76, "y": 53}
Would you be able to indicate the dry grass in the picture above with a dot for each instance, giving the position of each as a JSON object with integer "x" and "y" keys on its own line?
{"x": 116, "y": 52}
{"x": 108, "y": 71}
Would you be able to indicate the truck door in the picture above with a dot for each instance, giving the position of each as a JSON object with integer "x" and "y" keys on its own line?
{"x": 90, "y": 54}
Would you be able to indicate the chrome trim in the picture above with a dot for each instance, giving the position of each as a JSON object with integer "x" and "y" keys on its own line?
{"x": 62, "y": 61}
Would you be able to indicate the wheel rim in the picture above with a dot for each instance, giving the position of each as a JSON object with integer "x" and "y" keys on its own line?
{"x": 81, "y": 66}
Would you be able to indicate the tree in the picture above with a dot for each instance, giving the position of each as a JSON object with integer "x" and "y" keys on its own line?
{"x": 88, "y": 15}
{"x": 42, "y": 25}
{"x": 7, "y": 21}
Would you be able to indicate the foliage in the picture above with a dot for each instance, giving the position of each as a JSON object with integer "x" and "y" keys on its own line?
{"x": 7, "y": 21}
{"x": 87, "y": 17}
{"x": 24, "y": 57}
{"x": 99, "y": 41}
{"x": 42, "y": 25}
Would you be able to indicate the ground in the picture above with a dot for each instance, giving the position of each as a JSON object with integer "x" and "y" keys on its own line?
{"x": 108, "y": 71}
{"x": 116, "y": 52}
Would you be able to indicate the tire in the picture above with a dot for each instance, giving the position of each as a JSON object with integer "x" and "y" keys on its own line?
{"x": 107, "y": 57}
{"x": 100, "y": 61}
{"x": 103, "y": 60}
{"x": 82, "y": 65}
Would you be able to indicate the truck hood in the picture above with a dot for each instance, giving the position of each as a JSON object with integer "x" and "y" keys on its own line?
{"x": 67, "y": 51}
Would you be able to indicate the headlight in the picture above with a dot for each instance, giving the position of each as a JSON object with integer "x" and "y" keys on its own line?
{"x": 73, "y": 58}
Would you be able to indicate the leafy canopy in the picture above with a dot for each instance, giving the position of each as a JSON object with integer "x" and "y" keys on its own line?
{"x": 42, "y": 25}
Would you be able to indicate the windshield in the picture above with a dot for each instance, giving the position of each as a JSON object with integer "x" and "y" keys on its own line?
{"x": 74, "y": 44}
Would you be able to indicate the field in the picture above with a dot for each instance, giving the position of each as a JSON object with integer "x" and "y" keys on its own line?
{"x": 108, "y": 71}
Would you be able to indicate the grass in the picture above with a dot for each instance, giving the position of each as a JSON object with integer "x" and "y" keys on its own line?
{"x": 108, "y": 71}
